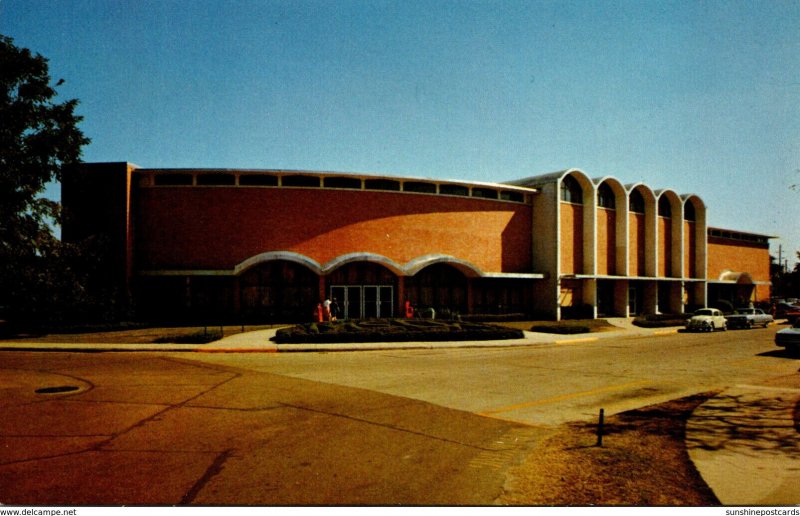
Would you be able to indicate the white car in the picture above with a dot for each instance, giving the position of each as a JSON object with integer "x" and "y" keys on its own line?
{"x": 707, "y": 319}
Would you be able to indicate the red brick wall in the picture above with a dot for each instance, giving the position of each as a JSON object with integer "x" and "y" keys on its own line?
{"x": 636, "y": 244}
{"x": 219, "y": 227}
{"x": 606, "y": 241}
{"x": 689, "y": 250}
{"x": 737, "y": 257}
{"x": 664, "y": 247}
{"x": 571, "y": 238}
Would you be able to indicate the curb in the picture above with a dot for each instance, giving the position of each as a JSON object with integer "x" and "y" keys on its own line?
{"x": 259, "y": 342}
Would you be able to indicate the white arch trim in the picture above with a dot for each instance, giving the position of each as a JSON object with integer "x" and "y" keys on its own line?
{"x": 645, "y": 190}
{"x": 409, "y": 269}
{"x": 740, "y": 278}
{"x": 694, "y": 199}
{"x": 465, "y": 267}
{"x": 674, "y": 199}
{"x": 270, "y": 256}
{"x": 362, "y": 257}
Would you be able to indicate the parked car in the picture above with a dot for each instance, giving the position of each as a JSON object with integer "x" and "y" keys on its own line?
{"x": 787, "y": 311}
{"x": 748, "y": 317}
{"x": 707, "y": 319}
{"x": 789, "y": 338}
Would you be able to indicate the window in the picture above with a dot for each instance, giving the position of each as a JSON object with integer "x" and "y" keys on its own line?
{"x": 689, "y": 212}
{"x": 453, "y": 190}
{"x": 302, "y": 181}
{"x": 571, "y": 190}
{"x": 258, "y": 180}
{"x": 352, "y": 183}
{"x": 216, "y": 180}
{"x": 382, "y": 184}
{"x": 636, "y": 202}
{"x": 664, "y": 207}
{"x": 486, "y": 193}
{"x": 605, "y": 197}
{"x": 419, "y": 187}
{"x": 512, "y": 196}
{"x": 173, "y": 180}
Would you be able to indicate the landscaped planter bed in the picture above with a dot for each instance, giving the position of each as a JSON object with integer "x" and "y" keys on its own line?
{"x": 661, "y": 320}
{"x": 392, "y": 330}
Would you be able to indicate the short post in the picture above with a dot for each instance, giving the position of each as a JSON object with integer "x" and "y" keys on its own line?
{"x": 600, "y": 425}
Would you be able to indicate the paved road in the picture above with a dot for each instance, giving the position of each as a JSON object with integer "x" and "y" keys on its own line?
{"x": 154, "y": 429}
{"x": 382, "y": 427}
{"x": 548, "y": 384}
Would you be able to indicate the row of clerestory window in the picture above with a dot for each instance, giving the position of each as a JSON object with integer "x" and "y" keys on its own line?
{"x": 339, "y": 182}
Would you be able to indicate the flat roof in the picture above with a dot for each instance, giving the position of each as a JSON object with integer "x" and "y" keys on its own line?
{"x": 322, "y": 173}
{"x": 738, "y": 232}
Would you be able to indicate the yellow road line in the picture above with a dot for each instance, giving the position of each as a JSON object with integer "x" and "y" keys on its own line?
{"x": 563, "y": 397}
{"x": 576, "y": 341}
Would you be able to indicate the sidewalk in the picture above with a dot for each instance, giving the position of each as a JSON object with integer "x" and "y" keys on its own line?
{"x": 746, "y": 445}
{"x": 259, "y": 342}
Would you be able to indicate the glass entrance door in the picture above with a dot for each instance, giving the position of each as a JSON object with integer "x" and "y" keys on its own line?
{"x": 349, "y": 300}
{"x": 368, "y": 301}
{"x": 378, "y": 301}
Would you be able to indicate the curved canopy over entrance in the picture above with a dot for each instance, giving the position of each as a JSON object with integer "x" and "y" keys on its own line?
{"x": 278, "y": 290}
{"x": 362, "y": 290}
{"x": 272, "y": 256}
{"x": 466, "y": 268}
{"x": 740, "y": 278}
{"x": 441, "y": 286}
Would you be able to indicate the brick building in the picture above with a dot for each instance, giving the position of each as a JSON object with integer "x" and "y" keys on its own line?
{"x": 270, "y": 244}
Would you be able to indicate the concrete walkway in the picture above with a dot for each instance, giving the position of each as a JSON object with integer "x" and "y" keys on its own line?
{"x": 744, "y": 441}
{"x": 746, "y": 445}
{"x": 259, "y": 341}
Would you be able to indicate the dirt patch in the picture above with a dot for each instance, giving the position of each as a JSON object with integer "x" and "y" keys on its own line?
{"x": 643, "y": 462}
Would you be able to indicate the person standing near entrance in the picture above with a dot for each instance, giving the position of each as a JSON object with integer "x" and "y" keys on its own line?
{"x": 326, "y": 308}
{"x": 334, "y": 310}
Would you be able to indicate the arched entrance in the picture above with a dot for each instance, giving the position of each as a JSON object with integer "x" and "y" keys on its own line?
{"x": 363, "y": 290}
{"x": 439, "y": 286}
{"x": 278, "y": 290}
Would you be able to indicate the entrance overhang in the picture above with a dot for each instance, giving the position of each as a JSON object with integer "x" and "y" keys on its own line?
{"x": 411, "y": 268}
{"x": 270, "y": 256}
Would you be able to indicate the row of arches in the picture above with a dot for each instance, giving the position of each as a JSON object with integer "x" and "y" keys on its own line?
{"x": 576, "y": 188}
{"x": 288, "y": 287}
{"x": 611, "y": 229}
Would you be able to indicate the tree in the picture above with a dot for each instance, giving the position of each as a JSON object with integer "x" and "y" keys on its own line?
{"x": 39, "y": 137}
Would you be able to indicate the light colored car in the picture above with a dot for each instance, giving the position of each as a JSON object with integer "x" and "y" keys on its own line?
{"x": 748, "y": 317}
{"x": 789, "y": 338}
{"x": 707, "y": 319}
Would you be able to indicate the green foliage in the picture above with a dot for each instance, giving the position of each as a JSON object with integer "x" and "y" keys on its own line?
{"x": 661, "y": 320}
{"x": 393, "y": 330}
{"x": 561, "y": 329}
{"x": 200, "y": 337}
{"x": 40, "y": 277}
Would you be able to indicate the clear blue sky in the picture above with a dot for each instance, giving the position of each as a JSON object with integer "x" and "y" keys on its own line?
{"x": 697, "y": 96}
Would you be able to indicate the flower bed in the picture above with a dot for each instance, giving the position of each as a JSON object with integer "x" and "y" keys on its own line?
{"x": 561, "y": 329}
{"x": 392, "y": 330}
{"x": 661, "y": 320}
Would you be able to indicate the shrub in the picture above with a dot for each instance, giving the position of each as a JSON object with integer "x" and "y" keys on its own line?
{"x": 661, "y": 320}
{"x": 495, "y": 317}
{"x": 200, "y": 337}
{"x": 562, "y": 329}
{"x": 394, "y": 330}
